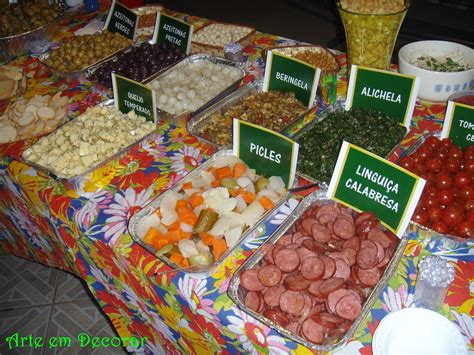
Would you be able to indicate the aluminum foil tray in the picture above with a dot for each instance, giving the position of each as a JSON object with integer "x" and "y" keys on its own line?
{"x": 236, "y": 293}
{"x": 196, "y": 122}
{"x": 76, "y": 181}
{"x": 339, "y": 106}
{"x": 138, "y": 217}
{"x": 183, "y": 118}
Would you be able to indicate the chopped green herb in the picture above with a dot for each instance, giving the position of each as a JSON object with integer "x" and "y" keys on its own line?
{"x": 447, "y": 64}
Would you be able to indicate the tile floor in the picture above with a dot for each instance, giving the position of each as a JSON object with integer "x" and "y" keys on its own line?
{"x": 46, "y": 302}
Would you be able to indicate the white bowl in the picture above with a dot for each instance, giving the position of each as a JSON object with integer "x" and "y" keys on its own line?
{"x": 437, "y": 86}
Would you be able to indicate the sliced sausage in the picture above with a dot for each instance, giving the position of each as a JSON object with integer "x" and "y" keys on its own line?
{"x": 276, "y": 249}
{"x": 343, "y": 270}
{"x": 313, "y": 289}
{"x": 327, "y": 213}
{"x": 348, "y": 307}
{"x": 292, "y": 302}
{"x": 296, "y": 282}
{"x": 379, "y": 236}
{"x": 363, "y": 216}
{"x": 367, "y": 255}
{"x": 269, "y": 275}
{"x": 254, "y": 301}
{"x": 297, "y": 236}
{"x": 369, "y": 277}
{"x": 293, "y": 326}
{"x": 276, "y": 316}
{"x": 285, "y": 240}
{"x": 307, "y": 224}
{"x": 304, "y": 252}
{"x": 343, "y": 229}
{"x": 267, "y": 250}
{"x": 313, "y": 331}
{"x": 330, "y": 318}
{"x": 249, "y": 280}
{"x": 386, "y": 258}
{"x": 312, "y": 268}
{"x": 320, "y": 233}
{"x": 331, "y": 285}
{"x": 334, "y": 297}
{"x": 353, "y": 243}
{"x": 272, "y": 295}
{"x": 350, "y": 255}
{"x": 338, "y": 255}
{"x": 329, "y": 266}
{"x": 312, "y": 245}
{"x": 287, "y": 260}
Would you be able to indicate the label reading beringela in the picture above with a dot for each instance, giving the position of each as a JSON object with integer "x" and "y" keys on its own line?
{"x": 172, "y": 30}
{"x": 389, "y": 92}
{"x": 366, "y": 182}
{"x": 130, "y": 95}
{"x": 288, "y": 74}
{"x": 121, "y": 19}
{"x": 270, "y": 153}
{"x": 459, "y": 124}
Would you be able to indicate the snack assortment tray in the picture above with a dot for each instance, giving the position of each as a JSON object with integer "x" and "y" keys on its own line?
{"x": 76, "y": 181}
{"x": 196, "y": 122}
{"x": 183, "y": 118}
{"x": 339, "y": 106}
{"x": 236, "y": 293}
{"x": 140, "y": 216}
{"x": 199, "y": 47}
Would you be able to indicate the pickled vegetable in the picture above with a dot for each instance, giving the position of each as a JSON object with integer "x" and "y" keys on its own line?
{"x": 201, "y": 259}
{"x": 205, "y": 221}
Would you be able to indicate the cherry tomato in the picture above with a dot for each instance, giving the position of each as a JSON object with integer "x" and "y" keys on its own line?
{"x": 466, "y": 229}
{"x": 434, "y": 213}
{"x": 446, "y": 143}
{"x": 452, "y": 215}
{"x": 433, "y": 165}
{"x": 455, "y": 152}
{"x": 441, "y": 153}
{"x": 468, "y": 165}
{"x": 419, "y": 168}
{"x": 469, "y": 153}
{"x": 467, "y": 193}
{"x": 452, "y": 165}
{"x": 406, "y": 163}
{"x": 445, "y": 196}
{"x": 430, "y": 190}
{"x": 425, "y": 152}
{"x": 432, "y": 142}
{"x": 429, "y": 178}
{"x": 428, "y": 201}
{"x": 462, "y": 179}
{"x": 469, "y": 205}
{"x": 416, "y": 158}
{"x": 440, "y": 227}
{"x": 443, "y": 180}
{"x": 470, "y": 215}
{"x": 420, "y": 216}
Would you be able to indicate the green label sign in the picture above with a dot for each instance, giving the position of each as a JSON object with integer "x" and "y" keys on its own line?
{"x": 270, "y": 153}
{"x": 288, "y": 74}
{"x": 121, "y": 19}
{"x": 459, "y": 124}
{"x": 392, "y": 93}
{"x": 130, "y": 95}
{"x": 170, "y": 29}
{"x": 366, "y": 182}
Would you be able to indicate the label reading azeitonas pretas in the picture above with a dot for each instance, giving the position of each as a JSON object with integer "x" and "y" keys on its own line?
{"x": 366, "y": 182}
{"x": 121, "y": 19}
{"x": 172, "y": 30}
{"x": 288, "y": 74}
{"x": 270, "y": 153}
{"x": 386, "y": 91}
{"x": 130, "y": 95}
{"x": 459, "y": 124}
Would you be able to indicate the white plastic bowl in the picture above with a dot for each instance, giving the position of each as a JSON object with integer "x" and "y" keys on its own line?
{"x": 437, "y": 86}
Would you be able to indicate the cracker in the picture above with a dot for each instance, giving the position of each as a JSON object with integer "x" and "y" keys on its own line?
{"x": 45, "y": 113}
{"x": 8, "y": 134}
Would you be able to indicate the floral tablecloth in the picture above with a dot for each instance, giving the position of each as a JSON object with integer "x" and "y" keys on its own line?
{"x": 84, "y": 231}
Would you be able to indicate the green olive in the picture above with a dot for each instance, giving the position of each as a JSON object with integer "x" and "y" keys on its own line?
{"x": 229, "y": 183}
{"x": 261, "y": 184}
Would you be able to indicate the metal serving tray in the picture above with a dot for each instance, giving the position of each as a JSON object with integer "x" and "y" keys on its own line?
{"x": 75, "y": 181}
{"x": 16, "y": 45}
{"x": 237, "y": 295}
{"x": 75, "y": 75}
{"x": 339, "y": 106}
{"x": 412, "y": 149}
{"x": 196, "y": 122}
{"x": 149, "y": 209}
{"x": 89, "y": 71}
{"x": 183, "y": 118}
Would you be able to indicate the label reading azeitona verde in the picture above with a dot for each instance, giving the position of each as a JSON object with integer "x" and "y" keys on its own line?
{"x": 170, "y": 29}
{"x": 121, "y": 19}
{"x": 130, "y": 95}
{"x": 366, "y": 182}
{"x": 459, "y": 124}
{"x": 392, "y": 93}
{"x": 270, "y": 153}
{"x": 288, "y": 74}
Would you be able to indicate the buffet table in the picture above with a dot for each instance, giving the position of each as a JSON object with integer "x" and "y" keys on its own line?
{"x": 84, "y": 231}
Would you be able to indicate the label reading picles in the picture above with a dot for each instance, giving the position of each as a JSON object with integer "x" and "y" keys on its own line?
{"x": 459, "y": 124}
{"x": 270, "y": 153}
{"x": 121, "y": 19}
{"x": 172, "y": 30}
{"x": 366, "y": 182}
{"x": 389, "y": 92}
{"x": 288, "y": 74}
